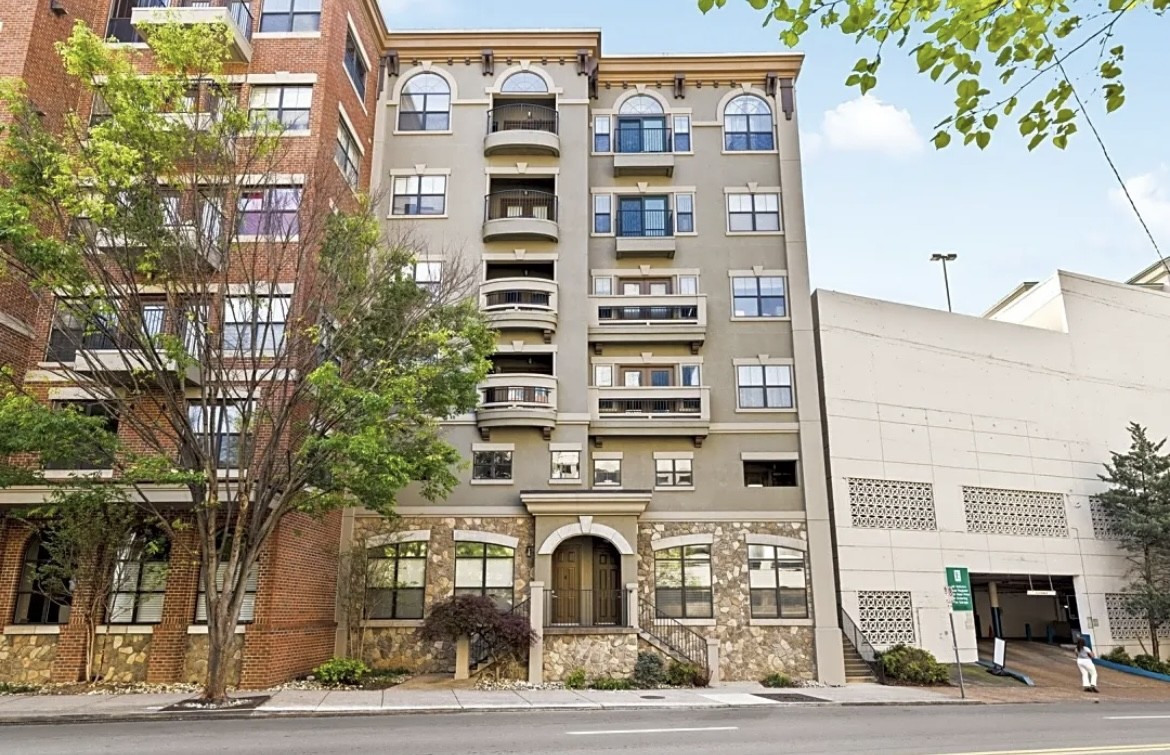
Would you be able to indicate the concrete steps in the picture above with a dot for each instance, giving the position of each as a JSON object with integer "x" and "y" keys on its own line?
{"x": 857, "y": 671}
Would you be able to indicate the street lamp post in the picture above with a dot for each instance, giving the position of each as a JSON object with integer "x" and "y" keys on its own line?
{"x": 944, "y": 258}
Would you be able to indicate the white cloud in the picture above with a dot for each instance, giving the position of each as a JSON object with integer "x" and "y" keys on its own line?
{"x": 866, "y": 124}
{"x": 1151, "y": 193}
{"x": 811, "y": 143}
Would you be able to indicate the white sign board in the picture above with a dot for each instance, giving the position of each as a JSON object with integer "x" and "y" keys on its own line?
{"x": 1000, "y": 651}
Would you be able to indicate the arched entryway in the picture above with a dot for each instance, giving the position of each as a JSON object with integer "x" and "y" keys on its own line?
{"x": 586, "y": 588}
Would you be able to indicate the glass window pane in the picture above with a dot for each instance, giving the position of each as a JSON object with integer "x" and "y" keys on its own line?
{"x": 697, "y": 552}
{"x": 751, "y": 375}
{"x": 465, "y": 549}
{"x": 409, "y": 604}
{"x": 603, "y": 376}
{"x": 150, "y": 607}
{"x": 601, "y": 124}
{"x": 667, "y": 573}
{"x": 764, "y": 604}
{"x": 735, "y": 123}
{"x": 739, "y": 202}
{"x": 769, "y": 222}
{"x": 380, "y": 573}
{"x": 751, "y": 398}
{"x": 499, "y": 572}
{"x": 682, "y": 124}
{"x": 602, "y": 286}
{"x": 762, "y": 573}
{"x": 684, "y": 202}
{"x": 468, "y": 572}
{"x": 412, "y": 572}
{"x": 690, "y": 375}
{"x": 499, "y": 551}
{"x": 698, "y": 604}
{"x": 747, "y": 307}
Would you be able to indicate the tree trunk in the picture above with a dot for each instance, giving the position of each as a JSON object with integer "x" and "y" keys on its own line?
{"x": 219, "y": 659}
{"x": 1155, "y": 648}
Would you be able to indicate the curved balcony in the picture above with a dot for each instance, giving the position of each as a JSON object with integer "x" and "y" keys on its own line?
{"x": 676, "y": 318}
{"x": 520, "y": 304}
{"x": 522, "y": 129}
{"x": 520, "y": 214}
{"x": 517, "y": 400}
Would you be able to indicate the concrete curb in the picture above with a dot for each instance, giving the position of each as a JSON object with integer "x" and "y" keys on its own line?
{"x": 92, "y": 718}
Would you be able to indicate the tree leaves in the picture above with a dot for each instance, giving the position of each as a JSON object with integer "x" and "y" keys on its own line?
{"x": 1035, "y": 42}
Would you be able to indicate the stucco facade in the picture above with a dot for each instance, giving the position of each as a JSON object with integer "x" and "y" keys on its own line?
{"x": 977, "y": 442}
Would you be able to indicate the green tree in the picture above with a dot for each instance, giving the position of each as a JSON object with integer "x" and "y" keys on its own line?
{"x": 1139, "y": 506}
{"x": 169, "y": 234}
{"x": 999, "y": 57}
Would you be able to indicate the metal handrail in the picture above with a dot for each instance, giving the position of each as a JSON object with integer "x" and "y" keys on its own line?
{"x": 516, "y": 395}
{"x": 683, "y": 642}
{"x": 862, "y": 645}
{"x": 671, "y": 407}
{"x": 520, "y": 203}
{"x": 648, "y": 313}
{"x": 238, "y": 9}
{"x": 518, "y": 299}
{"x": 645, "y": 223}
{"x": 585, "y": 608}
{"x": 480, "y": 651}
{"x": 522, "y": 116}
{"x": 643, "y": 140}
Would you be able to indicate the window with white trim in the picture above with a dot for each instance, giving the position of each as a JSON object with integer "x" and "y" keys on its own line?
{"x": 425, "y": 104}
{"x": 428, "y": 275}
{"x": 218, "y": 428}
{"x": 396, "y": 581}
{"x": 491, "y": 465}
{"x": 779, "y": 473}
{"x": 747, "y": 125}
{"x": 684, "y": 213}
{"x": 419, "y": 195}
{"x": 602, "y": 213}
{"x": 140, "y": 580}
{"x": 271, "y": 212}
{"x": 485, "y": 569}
{"x": 759, "y": 296}
{"x": 347, "y": 156}
{"x": 602, "y": 134}
{"x": 566, "y": 465}
{"x": 290, "y": 16}
{"x": 776, "y": 577}
{"x": 355, "y": 65}
{"x": 673, "y": 473}
{"x": 286, "y": 106}
{"x": 607, "y": 472}
{"x": 255, "y": 325}
{"x": 753, "y": 213}
{"x": 682, "y": 582}
{"x": 764, "y": 386}
{"x": 682, "y": 133}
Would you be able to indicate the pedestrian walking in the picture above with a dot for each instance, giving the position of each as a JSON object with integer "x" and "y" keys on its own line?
{"x": 1085, "y": 664}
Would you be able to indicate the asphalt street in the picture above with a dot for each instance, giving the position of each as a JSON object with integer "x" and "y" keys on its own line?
{"x": 1065, "y": 729}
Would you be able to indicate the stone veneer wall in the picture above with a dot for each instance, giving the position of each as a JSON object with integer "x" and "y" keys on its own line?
{"x": 395, "y": 643}
{"x": 122, "y": 657}
{"x": 747, "y": 652}
{"x": 600, "y": 654}
{"x": 27, "y": 658}
{"x": 195, "y": 663}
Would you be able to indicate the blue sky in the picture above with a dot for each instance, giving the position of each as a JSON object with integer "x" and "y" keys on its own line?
{"x": 879, "y": 199}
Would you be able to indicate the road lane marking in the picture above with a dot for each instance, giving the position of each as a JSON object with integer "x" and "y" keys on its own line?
{"x": 1131, "y": 718}
{"x": 651, "y": 731}
{"x": 1098, "y": 750}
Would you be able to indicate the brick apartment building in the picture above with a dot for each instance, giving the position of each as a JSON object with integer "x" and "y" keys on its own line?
{"x": 646, "y": 466}
{"x": 314, "y": 64}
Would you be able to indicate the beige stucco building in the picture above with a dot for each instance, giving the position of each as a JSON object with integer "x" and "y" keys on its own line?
{"x": 958, "y": 441}
{"x": 645, "y": 468}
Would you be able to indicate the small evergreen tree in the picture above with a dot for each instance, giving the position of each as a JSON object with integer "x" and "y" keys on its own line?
{"x": 1139, "y": 504}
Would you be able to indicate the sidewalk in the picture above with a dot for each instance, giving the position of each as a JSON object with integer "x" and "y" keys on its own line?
{"x": 75, "y": 708}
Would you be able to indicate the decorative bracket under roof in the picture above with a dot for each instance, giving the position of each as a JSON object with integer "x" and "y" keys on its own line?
{"x": 680, "y": 83}
{"x": 392, "y": 61}
{"x": 787, "y": 101}
{"x": 587, "y": 66}
{"x": 487, "y": 59}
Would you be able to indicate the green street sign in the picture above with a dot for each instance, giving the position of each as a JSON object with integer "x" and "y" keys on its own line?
{"x": 959, "y": 588}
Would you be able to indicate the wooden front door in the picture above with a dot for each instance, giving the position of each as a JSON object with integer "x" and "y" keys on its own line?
{"x": 607, "y": 584}
{"x": 566, "y": 597}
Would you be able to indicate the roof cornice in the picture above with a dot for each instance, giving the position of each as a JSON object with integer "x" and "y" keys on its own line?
{"x": 730, "y": 69}
{"x": 505, "y": 44}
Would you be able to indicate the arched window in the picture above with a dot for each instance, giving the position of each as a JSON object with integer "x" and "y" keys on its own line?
{"x": 42, "y": 597}
{"x": 641, "y": 104}
{"x": 251, "y": 584}
{"x": 425, "y": 104}
{"x": 524, "y": 82}
{"x": 140, "y": 580}
{"x": 747, "y": 125}
{"x": 484, "y": 569}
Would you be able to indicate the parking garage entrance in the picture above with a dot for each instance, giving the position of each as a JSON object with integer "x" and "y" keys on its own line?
{"x": 1035, "y": 607}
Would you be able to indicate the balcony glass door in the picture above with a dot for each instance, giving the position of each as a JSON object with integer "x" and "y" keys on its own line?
{"x": 643, "y": 216}
{"x": 641, "y": 135}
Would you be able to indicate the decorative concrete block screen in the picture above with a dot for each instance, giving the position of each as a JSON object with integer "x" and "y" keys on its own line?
{"x": 886, "y": 617}
{"x": 891, "y": 504}
{"x": 1124, "y": 624}
{"x": 1103, "y": 523}
{"x": 1015, "y": 512}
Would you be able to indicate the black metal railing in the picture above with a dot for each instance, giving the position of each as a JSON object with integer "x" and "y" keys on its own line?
{"x": 238, "y": 9}
{"x": 643, "y": 139}
{"x": 667, "y": 406}
{"x": 864, "y": 648}
{"x": 520, "y": 203}
{"x": 480, "y": 649}
{"x": 519, "y": 116}
{"x": 652, "y": 313}
{"x": 679, "y": 640}
{"x": 65, "y": 342}
{"x": 585, "y": 608}
{"x": 119, "y": 28}
{"x": 645, "y": 223}
{"x": 518, "y": 299}
{"x": 516, "y": 395}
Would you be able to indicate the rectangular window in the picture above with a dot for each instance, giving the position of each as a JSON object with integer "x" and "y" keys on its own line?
{"x": 396, "y": 581}
{"x": 689, "y": 374}
{"x": 491, "y": 465}
{"x": 348, "y": 156}
{"x": 682, "y": 133}
{"x": 99, "y": 111}
{"x": 603, "y": 286}
{"x": 428, "y": 275}
{"x": 291, "y": 15}
{"x": 682, "y": 582}
{"x": 644, "y": 216}
{"x": 764, "y": 386}
{"x": 139, "y": 584}
{"x": 603, "y": 376}
{"x": 271, "y": 212}
{"x": 684, "y": 211}
{"x": 355, "y": 66}
{"x": 760, "y": 297}
{"x": 247, "y": 606}
{"x": 673, "y": 473}
{"x": 601, "y": 134}
{"x": 607, "y": 472}
{"x": 748, "y": 213}
{"x": 287, "y": 106}
{"x": 86, "y": 458}
{"x": 566, "y": 465}
{"x": 218, "y": 429}
{"x": 688, "y": 285}
{"x": 255, "y": 325}
{"x": 776, "y": 576}
{"x": 602, "y": 213}
{"x": 420, "y": 195}
{"x": 485, "y": 569}
{"x": 769, "y": 474}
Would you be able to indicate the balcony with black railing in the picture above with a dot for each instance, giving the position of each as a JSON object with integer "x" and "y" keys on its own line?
{"x": 520, "y": 304}
{"x": 645, "y": 232}
{"x": 236, "y": 15}
{"x": 650, "y": 411}
{"x": 642, "y": 150}
{"x": 672, "y": 318}
{"x": 522, "y": 128}
{"x": 513, "y": 399}
{"x": 586, "y": 608}
{"x": 516, "y": 214}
